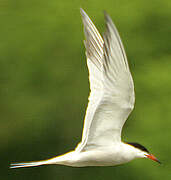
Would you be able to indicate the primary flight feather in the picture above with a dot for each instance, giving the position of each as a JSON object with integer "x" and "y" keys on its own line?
{"x": 111, "y": 100}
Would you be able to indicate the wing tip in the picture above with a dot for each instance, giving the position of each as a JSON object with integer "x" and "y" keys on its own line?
{"x": 82, "y": 12}
{"x": 106, "y": 14}
{"x": 108, "y": 20}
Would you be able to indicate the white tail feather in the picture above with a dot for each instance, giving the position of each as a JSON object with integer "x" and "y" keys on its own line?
{"x": 29, "y": 164}
{"x": 60, "y": 160}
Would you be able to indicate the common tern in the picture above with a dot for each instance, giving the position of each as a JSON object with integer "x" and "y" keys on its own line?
{"x": 111, "y": 100}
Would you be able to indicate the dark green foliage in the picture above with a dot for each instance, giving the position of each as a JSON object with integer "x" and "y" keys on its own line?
{"x": 44, "y": 84}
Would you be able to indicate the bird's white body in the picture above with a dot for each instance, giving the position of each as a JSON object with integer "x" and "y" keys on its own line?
{"x": 111, "y": 100}
{"x": 115, "y": 154}
{"x": 104, "y": 156}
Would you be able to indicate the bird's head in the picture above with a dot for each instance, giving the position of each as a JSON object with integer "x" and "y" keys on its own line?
{"x": 143, "y": 152}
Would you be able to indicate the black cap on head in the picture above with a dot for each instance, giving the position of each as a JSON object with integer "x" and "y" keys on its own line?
{"x": 139, "y": 146}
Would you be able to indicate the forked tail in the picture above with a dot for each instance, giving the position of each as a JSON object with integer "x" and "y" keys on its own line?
{"x": 29, "y": 164}
{"x": 60, "y": 160}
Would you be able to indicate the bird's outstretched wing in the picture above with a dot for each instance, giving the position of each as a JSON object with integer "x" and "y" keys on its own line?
{"x": 112, "y": 96}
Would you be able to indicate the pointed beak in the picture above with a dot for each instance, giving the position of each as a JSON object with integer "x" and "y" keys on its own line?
{"x": 152, "y": 157}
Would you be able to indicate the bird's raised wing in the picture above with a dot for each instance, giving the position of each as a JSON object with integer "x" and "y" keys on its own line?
{"x": 94, "y": 53}
{"x": 112, "y": 91}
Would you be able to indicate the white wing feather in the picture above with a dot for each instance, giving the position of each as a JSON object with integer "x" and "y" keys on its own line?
{"x": 94, "y": 52}
{"x": 112, "y": 90}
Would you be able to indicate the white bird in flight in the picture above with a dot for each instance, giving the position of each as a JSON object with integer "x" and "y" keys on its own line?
{"x": 111, "y": 100}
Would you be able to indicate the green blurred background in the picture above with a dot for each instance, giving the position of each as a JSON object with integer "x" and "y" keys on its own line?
{"x": 44, "y": 84}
